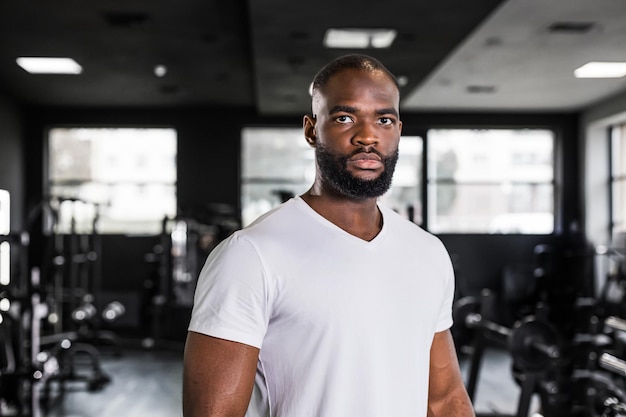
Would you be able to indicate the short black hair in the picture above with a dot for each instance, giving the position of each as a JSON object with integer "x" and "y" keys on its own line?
{"x": 352, "y": 61}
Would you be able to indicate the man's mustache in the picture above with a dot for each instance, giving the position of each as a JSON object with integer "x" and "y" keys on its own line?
{"x": 367, "y": 149}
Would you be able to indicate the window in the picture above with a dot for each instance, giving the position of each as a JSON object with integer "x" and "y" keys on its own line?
{"x": 5, "y": 248}
{"x": 618, "y": 180}
{"x": 277, "y": 164}
{"x": 490, "y": 181}
{"x": 123, "y": 180}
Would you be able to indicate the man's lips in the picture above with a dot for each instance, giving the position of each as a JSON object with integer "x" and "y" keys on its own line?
{"x": 366, "y": 160}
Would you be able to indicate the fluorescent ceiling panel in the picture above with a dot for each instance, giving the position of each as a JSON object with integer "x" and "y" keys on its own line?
{"x": 601, "y": 70}
{"x": 359, "y": 38}
{"x": 37, "y": 65}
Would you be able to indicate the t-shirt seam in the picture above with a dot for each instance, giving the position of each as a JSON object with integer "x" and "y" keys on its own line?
{"x": 264, "y": 274}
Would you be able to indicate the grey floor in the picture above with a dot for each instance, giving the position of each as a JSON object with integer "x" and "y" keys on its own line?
{"x": 148, "y": 383}
{"x": 497, "y": 393}
{"x": 143, "y": 383}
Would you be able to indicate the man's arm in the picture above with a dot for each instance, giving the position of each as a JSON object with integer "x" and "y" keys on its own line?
{"x": 218, "y": 376}
{"x": 447, "y": 396}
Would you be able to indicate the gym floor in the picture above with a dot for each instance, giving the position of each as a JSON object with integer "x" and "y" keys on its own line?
{"x": 143, "y": 383}
{"x": 148, "y": 383}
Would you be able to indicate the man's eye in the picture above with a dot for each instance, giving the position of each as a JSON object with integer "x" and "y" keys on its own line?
{"x": 343, "y": 119}
{"x": 386, "y": 121}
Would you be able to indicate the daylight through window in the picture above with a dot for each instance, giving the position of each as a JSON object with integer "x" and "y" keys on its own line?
{"x": 122, "y": 180}
{"x": 491, "y": 181}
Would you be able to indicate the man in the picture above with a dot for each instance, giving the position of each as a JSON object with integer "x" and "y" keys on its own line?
{"x": 330, "y": 305}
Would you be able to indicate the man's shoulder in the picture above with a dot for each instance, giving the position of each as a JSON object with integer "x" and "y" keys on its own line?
{"x": 276, "y": 215}
{"x": 279, "y": 222}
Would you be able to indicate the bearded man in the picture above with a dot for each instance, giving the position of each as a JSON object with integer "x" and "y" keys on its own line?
{"x": 330, "y": 305}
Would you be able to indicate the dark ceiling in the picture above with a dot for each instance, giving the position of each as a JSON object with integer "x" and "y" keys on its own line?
{"x": 260, "y": 54}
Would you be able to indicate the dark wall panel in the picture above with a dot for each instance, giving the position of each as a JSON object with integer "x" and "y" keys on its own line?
{"x": 11, "y": 160}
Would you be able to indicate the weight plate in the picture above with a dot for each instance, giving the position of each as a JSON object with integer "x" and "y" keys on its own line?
{"x": 525, "y": 341}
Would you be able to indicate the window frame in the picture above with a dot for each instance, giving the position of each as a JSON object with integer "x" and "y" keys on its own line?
{"x": 614, "y": 179}
{"x": 556, "y": 176}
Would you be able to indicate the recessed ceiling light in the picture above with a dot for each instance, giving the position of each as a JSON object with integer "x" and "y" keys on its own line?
{"x": 480, "y": 89}
{"x": 359, "y": 38}
{"x": 37, "y": 65}
{"x": 571, "y": 27}
{"x": 601, "y": 70}
{"x": 160, "y": 70}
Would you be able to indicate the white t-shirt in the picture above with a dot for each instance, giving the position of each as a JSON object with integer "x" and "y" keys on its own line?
{"x": 344, "y": 325}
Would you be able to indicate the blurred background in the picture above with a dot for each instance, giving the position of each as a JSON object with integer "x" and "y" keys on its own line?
{"x": 136, "y": 135}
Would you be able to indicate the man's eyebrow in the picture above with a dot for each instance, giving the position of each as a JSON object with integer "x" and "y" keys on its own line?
{"x": 390, "y": 110}
{"x": 344, "y": 109}
{"x": 353, "y": 110}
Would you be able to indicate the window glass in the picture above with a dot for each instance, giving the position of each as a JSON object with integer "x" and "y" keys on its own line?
{"x": 277, "y": 164}
{"x": 404, "y": 195}
{"x": 618, "y": 179}
{"x": 5, "y": 248}
{"x": 122, "y": 180}
{"x": 491, "y": 181}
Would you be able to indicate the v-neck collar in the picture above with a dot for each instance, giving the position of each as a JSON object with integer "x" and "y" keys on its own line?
{"x": 328, "y": 224}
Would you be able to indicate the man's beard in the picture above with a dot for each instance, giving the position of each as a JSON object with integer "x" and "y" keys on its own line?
{"x": 334, "y": 169}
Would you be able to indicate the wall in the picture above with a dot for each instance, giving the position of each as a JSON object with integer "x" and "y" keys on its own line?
{"x": 594, "y": 126}
{"x": 594, "y": 137}
{"x": 11, "y": 160}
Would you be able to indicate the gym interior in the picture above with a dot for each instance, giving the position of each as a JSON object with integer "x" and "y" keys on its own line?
{"x": 177, "y": 124}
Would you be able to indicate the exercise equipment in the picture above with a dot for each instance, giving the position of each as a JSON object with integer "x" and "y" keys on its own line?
{"x": 584, "y": 376}
{"x": 176, "y": 261}
{"x": 532, "y": 342}
{"x": 49, "y": 321}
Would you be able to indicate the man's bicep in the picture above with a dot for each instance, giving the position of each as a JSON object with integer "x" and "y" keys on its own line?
{"x": 218, "y": 376}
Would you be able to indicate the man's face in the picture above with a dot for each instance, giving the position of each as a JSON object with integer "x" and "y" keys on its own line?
{"x": 355, "y": 132}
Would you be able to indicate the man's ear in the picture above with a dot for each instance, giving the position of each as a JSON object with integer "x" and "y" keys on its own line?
{"x": 308, "y": 124}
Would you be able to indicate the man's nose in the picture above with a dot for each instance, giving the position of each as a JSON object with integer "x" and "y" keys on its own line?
{"x": 365, "y": 134}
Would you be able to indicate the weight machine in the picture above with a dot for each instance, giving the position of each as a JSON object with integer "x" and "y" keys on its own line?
{"x": 25, "y": 366}
{"x": 47, "y": 315}
{"x": 176, "y": 260}
{"x": 75, "y": 272}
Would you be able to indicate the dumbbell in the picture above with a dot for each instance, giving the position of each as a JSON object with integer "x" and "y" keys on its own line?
{"x": 533, "y": 343}
{"x": 615, "y": 323}
{"x": 602, "y": 394}
{"x": 86, "y": 311}
{"x": 113, "y": 311}
{"x": 21, "y": 238}
{"x": 612, "y": 363}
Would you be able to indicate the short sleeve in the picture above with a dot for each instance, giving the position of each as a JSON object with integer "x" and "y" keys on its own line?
{"x": 231, "y": 300}
{"x": 445, "y": 313}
